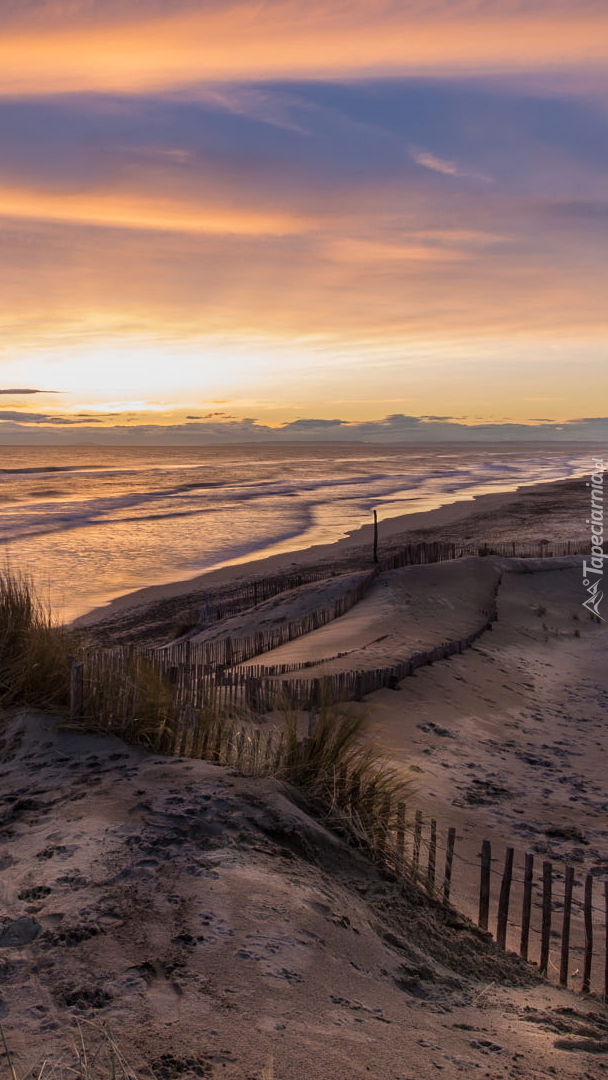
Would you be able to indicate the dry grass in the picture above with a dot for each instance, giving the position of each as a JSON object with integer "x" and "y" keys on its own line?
{"x": 35, "y": 652}
{"x": 95, "y": 1056}
{"x": 128, "y": 694}
{"x": 345, "y": 773}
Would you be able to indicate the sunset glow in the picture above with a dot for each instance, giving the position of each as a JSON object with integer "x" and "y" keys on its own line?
{"x": 338, "y": 211}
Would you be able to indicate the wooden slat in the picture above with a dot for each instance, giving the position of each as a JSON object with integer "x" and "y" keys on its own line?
{"x": 545, "y": 940}
{"x": 484, "y": 884}
{"x": 401, "y": 836}
{"x": 417, "y": 836}
{"x": 432, "y": 863}
{"x": 503, "y": 900}
{"x": 588, "y": 919}
{"x": 565, "y": 957}
{"x": 526, "y": 910}
{"x": 77, "y": 691}
{"x": 606, "y": 939}
{"x": 449, "y": 858}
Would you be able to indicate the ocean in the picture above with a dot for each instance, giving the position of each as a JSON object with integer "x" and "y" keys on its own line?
{"x": 92, "y": 523}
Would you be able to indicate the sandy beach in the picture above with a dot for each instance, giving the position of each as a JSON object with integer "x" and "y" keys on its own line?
{"x": 268, "y": 948}
{"x": 554, "y": 511}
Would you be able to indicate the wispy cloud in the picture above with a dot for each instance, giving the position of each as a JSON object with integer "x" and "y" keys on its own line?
{"x": 129, "y": 212}
{"x": 448, "y": 168}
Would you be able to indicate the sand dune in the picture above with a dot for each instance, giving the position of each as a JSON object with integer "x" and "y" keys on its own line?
{"x": 288, "y": 606}
{"x": 404, "y": 612}
{"x": 220, "y": 931}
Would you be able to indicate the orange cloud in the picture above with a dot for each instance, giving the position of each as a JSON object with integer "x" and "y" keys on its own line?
{"x": 122, "y": 210}
{"x": 283, "y": 40}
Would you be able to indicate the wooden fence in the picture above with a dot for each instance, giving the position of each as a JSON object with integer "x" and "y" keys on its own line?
{"x": 229, "y": 651}
{"x": 538, "y": 915}
{"x": 109, "y": 682}
{"x": 207, "y": 674}
{"x": 234, "y": 600}
{"x": 551, "y": 914}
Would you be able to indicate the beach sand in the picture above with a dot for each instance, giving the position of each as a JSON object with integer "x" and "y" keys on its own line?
{"x": 215, "y": 929}
{"x": 507, "y": 740}
{"x": 221, "y": 931}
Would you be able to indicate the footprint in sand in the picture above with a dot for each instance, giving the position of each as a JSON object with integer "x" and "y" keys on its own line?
{"x": 164, "y": 994}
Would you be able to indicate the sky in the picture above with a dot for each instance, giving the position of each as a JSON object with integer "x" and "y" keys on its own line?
{"x": 339, "y": 218}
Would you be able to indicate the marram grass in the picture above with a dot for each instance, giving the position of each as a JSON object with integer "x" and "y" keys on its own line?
{"x": 338, "y": 767}
{"x": 35, "y": 652}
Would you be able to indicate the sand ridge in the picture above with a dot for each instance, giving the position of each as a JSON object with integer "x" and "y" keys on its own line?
{"x": 405, "y": 611}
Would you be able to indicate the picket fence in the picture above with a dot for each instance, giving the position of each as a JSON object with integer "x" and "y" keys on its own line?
{"x": 232, "y": 600}
{"x": 208, "y": 675}
{"x": 547, "y": 915}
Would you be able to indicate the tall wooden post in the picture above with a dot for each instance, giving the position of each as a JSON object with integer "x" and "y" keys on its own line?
{"x": 568, "y": 883}
{"x": 375, "y": 536}
{"x": 545, "y": 940}
{"x": 588, "y": 918}
{"x": 503, "y": 901}
{"x": 484, "y": 884}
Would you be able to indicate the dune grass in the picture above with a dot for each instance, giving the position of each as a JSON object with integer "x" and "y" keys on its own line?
{"x": 344, "y": 773}
{"x": 131, "y": 695}
{"x": 35, "y": 652}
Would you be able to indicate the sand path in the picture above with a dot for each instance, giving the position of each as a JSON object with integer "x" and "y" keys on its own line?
{"x": 509, "y": 739}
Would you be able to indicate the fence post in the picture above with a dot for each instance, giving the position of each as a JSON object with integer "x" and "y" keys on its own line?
{"x": 430, "y": 874}
{"x": 449, "y": 858}
{"x": 546, "y": 924}
{"x": 568, "y": 883}
{"x": 526, "y": 905}
{"x": 484, "y": 884}
{"x": 588, "y": 934}
{"x": 503, "y": 900}
{"x": 76, "y": 691}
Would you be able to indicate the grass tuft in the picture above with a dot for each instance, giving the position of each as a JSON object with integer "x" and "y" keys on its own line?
{"x": 35, "y": 652}
{"x": 344, "y": 772}
{"x": 95, "y": 1056}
